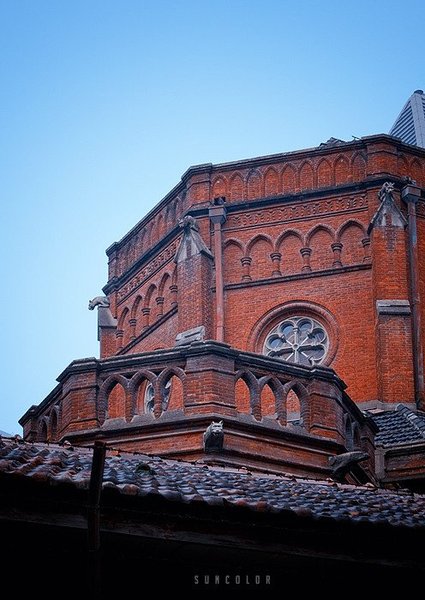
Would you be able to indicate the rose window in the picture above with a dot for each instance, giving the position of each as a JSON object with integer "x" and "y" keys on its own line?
{"x": 299, "y": 340}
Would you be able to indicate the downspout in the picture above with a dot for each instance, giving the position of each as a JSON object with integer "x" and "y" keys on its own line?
{"x": 411, "y": 194}
{"x": 217, "y": 214}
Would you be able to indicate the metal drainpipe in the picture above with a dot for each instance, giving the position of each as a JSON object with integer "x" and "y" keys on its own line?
{"x": 217, "y": 214}
{"x": 410, "y": 194}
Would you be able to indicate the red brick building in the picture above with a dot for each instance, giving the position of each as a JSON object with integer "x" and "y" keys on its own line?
{"x": 283, "y": 295}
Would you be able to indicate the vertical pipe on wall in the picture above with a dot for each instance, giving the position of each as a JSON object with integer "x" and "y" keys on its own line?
{"x": 410, "y": 194}
{"x": 217, "y": 214}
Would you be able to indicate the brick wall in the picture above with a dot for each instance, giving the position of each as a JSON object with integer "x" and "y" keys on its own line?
{"x": 296, "y": 242}
{"x": 309, "y": 248}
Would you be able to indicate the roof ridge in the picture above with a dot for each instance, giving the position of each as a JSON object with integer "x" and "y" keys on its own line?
{"x": 412, "y": 418}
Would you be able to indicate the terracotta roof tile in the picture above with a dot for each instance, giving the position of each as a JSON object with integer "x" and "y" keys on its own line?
{"x": 140, "y": 475}
{"x": 399, "y": 426}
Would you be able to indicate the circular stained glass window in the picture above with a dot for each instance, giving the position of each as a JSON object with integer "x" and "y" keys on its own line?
{"x": 299, "y": 340}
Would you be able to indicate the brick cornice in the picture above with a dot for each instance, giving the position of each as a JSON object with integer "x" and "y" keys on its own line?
{"x": 255, "y": 162}
{"x": 309, "y": 195}
{"x": 183, "y": 423}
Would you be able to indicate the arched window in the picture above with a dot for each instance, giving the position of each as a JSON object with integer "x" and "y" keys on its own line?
{"x": 299, "y": 340}
{"x": 149, "y": 398}
{"x": 42, "y": 431}
{"x": 53, "y": 425}
{"x": 349, "y": 442}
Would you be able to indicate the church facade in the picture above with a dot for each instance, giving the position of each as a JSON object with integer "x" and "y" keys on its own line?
{"x": 260, "y": 316}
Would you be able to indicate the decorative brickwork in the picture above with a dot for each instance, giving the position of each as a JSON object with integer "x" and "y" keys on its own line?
{"x": 232, "y": 251}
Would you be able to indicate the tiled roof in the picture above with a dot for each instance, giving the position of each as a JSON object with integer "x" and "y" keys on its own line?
{"x": 399, "y": 426}
{"x": 140, "y": 475}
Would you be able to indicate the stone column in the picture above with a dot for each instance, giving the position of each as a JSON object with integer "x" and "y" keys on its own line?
{"x": 160, "y": 306}
{"x": 246, "y": 265}
{"x": 306, "y": 253}
{"x": 366, "y": 248}
{"x": 336, "y": 249}
{"x": 276, "y": 258}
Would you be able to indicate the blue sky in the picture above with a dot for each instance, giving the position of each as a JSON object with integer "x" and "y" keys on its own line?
{"x": 104, "y": 104}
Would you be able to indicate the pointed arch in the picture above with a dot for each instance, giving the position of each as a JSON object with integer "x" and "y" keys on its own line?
{"x": 234, "y": 242}
{"x": 176, "y": 392}
{"x": 289, "y": 179}
{"x": 174, "y": 276}
{"x": 351, "y": 223}
{"x": 165, "y": 375}
{"x": 259, "y": 250}
{"x": 254, "y": 184}
{"x": 160, "y": 226}
{"x": 255, "y": 240}
{"x": 154, "y": 231}
{"x": 357, "y": 440}
{"x": 53, "y": 424}
{"x": 135, "y": 306}
{"x": 267, "y": 402}
{"x": 302, "y": 394}
{"x": 164, "y": 294}
{"x": 219, "y": 187}
{"x": 341, "y": 170}
{"x": 271, "y": 402}
{"x": 166, "y": 212}
{"x": 123, "y": 318}
{"x": 232, "y": 254}
{"x": 293, "y": 409}
{"x": 358, "y": 166}
{"x": 351, "y": 235}
{"x": 43, "y": 430}
{"x": 242, "y": 397}
{"x": 131, "y": 252}
{"x": 320, "y": 240}
{"x": 172, "y": 213}
{"x": 140, "y": 242}
{"x": 165, "y": 279}
{"x": 138, "y": 377}
{"x": 148, "y": 296}
{"x": 324, "y": 173}
{"x": 149, "y": 237}
{"x": 236, "y": 187}
{"x": 104, "y": 393}
{"x": 271, "y": 182}
{"x": 348, "y": 432}
{"x": 135, "y": 383}
{"x": 289, "y": 245}
{"x": 316, "y": 229}
{"x": 254, "y": 391}
{"x": 288, "y": 233}
{"x": 306, "y": 176}
{"x": 177, "y": 209}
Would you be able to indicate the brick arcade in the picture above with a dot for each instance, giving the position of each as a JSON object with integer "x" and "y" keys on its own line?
{"x": 282, "y": 295}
